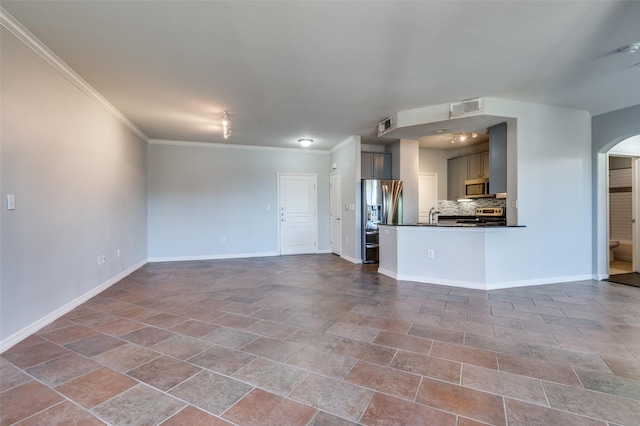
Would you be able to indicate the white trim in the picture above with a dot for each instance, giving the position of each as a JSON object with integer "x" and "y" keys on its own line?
{"x": 212, "y": 257}
{"x": 341, "y": 144}
{"x": 485, "y": 286}
{"x": 25, "y": 36}
{"x": 194, "y": 144}
{"x": 327, "y": 251}
{"x": 51, "y": 317}
{"x": 351, "y": 259}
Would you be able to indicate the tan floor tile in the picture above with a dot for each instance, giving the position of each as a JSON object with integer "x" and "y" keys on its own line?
{"x": 164, "y": 373}
{"x": 119, "y": 327}
{"x": 609, "y": 408}
{"x": 147, "y": 336}
{"x": 230, "y": 337}
{"x": 276, "y": 350}
{"x": 342, "y": 399}
{"x": 197, "y": 391}
{"x": 60, "y": 370}
{"x": 523, "y": 414}
{"x": 263, "y": 408}
{"x": 140, "y": 405}
{"x": 24, "y": 400}
{"x": 437, "y": 368}
{"x": 220, "y": 359}
{"x": 271, "y": 376}
{"x": 63, "y": 414}
{"x": 470, "y": 403}
{"x": 403, "y": 341}
{"x": 321, "y": 362}
{"x": 387, "y": 410}
{"x": 479, "y": 357}
{"x": 69, "y": 334}
{"x": 11, "y": 376}
{"x": 272, "y": 329}
{"x": 352, "y": 331}
{"x": 181, "y": 347}
{"x": 539, "y": 369}
{"x": 194, "y": 328}
{"x": 30, "y": 355}
{"x": 96, "y": 387}
{"x": 505, "y": 384}
{"x": 126, "y": 357}
{"x": 194, "y": 416}
{"x": 384, "y": 379}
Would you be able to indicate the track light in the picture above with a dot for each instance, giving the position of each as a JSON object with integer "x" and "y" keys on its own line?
{"x": 226, "y": 125}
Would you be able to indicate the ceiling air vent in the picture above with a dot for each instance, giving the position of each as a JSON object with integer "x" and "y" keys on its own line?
{"x": 465, "y": 107}
{"x": 385, "y": 125}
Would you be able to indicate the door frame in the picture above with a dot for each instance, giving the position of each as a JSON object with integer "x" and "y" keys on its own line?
{"x": 635, "y": 210}
{"x": 331, "y": 189}
{"x": 315, "y": 216}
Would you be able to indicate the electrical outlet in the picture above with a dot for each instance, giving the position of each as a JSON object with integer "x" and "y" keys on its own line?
{"x": 104, "y": 259}
{"x": 99, "y": 260}
{"x": 118, "y": 253}
{"x": 223, "y": 239}
{"x": 430, "y": 253}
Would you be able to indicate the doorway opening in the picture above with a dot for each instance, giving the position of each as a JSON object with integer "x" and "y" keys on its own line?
{"x": 623, "y": 186}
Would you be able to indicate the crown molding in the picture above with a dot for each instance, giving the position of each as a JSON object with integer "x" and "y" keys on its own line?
{"x": 234, "y": 146}
{"x": 26, "y": 37}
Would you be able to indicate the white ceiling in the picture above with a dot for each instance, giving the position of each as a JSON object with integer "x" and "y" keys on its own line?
{"x": 331, "y": 69}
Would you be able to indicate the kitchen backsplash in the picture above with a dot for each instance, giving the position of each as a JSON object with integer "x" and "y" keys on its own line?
{"x": 468, "y": 208}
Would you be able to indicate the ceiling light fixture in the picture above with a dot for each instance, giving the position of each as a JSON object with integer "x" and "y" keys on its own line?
{"x": 463, "y": 136}
{"x": 226, "y": 125}
{"x": 632, "y": 48}
{"x": 306, "y": 143}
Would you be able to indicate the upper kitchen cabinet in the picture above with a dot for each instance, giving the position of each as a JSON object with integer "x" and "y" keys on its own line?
{"x": 498, "y": 154}
{"x": 376, "y": 165}
{"x": 456, "y": 175}
{"x": 478, "y": 165}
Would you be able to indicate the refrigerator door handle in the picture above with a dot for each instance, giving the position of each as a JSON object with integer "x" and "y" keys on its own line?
{"x": 384, "y": 216}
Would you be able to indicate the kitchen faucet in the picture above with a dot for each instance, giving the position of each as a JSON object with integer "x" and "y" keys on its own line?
{"x": 431, "y": 213}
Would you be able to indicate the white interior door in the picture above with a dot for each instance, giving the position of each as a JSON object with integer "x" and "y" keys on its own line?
{"x": 427, "y": 195}
{"x": 298, "y": 216}
{"x": 336, "y": 202}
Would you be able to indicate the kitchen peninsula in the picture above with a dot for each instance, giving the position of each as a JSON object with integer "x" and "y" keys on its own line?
{"x": 455, "y": 255}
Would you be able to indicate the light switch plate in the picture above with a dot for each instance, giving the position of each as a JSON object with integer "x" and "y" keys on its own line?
{"x": 11, "y": 202}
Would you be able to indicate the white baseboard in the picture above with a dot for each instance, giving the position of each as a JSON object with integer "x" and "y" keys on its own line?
{"x": 351, "y": 259}
{"x": 485, "y": 286}
{"x": 212, "y": 257}
{"x": 48, "y": 319}
{"x": 327, "y": 251}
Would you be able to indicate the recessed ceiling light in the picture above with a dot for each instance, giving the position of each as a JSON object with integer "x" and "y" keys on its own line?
{"x": 632, "y": 48}
{"x": 305, "y": 142}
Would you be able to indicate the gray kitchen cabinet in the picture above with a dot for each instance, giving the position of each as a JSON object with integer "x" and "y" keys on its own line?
{"x": 498, "y": 153}
{"x": 375, "y": 165}
{"x": 456, "y": 175}
{"x": 478, "y": 165}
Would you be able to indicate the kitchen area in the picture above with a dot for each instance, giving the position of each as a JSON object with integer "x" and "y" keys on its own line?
{"x": 458, "y": 234}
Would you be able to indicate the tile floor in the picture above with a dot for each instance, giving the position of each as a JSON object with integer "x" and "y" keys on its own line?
{"x": 620, "y": 267}
{"x": 315, "y": 340}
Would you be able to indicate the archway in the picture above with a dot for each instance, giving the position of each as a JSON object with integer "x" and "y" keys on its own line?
{"x": 623, "y": 186}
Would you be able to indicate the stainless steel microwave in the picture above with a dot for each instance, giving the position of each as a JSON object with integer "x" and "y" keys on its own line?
{"x": 477, "y": 188}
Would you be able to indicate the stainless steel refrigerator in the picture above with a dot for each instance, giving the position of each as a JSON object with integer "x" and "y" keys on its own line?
{"x": 381, "y": 203}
